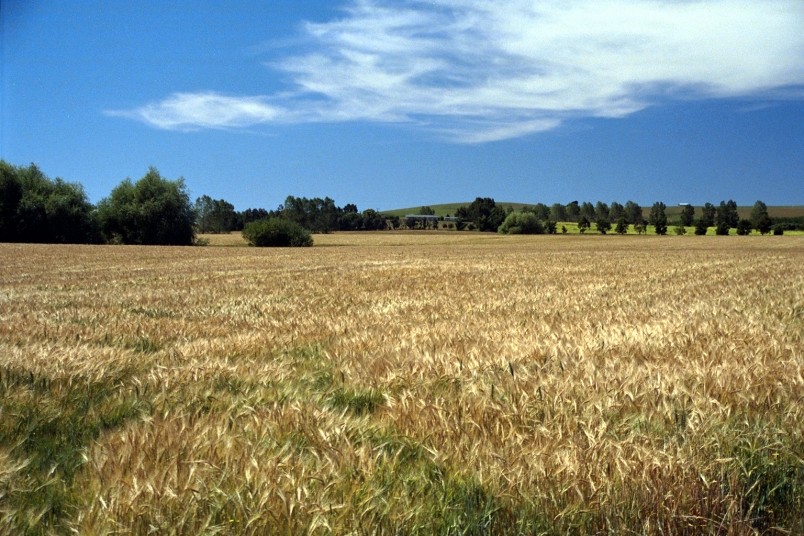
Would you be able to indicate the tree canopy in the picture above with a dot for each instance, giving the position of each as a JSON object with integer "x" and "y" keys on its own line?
{"x": 35, "y": 208}
{"x": 484, "y": 213}
{"x": 153, "y": 211}
{"x": 658, "y": 218}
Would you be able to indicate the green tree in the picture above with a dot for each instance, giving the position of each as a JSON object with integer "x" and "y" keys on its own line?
{"x": 484, "y": 213}
{"x": 764, "y": 225}
{"x": 616, "y": 211}
{"x": 373, "y": 220}
{"x": 521, "y": 223}
{"x": 34, "y": 208}
{"x": 427, "y": 211}
{"x": 252, "y": 214}
{"x": 573, "y": 211}
{"x": 316, "y": 215}
{"x": 658, "y": 218}
{"x": 583, "y": 225}
{"x": 10, "y": 197}
{"x": 727, "y": 214}
{"x": 154, "y": 210}
{"x": 587, "y": 211}
{"x": 622, "y": 225}
{"x": 214, "y": 215}
{"x": 701, "y": 227}
{"x": 687, "y": 215}
{"x": 601, "y": 211}
{"x": 541, "y": 210}
{"x": 708, "y": 214}
{"x": 558, "y": 212}
{"x": 744, "y": 227}
{"x": 760, "y": 219}
{"x": 603, "y": 225}
{"x": 633, "y": 212}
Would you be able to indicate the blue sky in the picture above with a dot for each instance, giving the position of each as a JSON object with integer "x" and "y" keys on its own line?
{"x": 391, "y": 104}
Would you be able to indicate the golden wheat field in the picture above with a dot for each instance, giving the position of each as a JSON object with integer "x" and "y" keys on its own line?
{"x": 413, "y": 383}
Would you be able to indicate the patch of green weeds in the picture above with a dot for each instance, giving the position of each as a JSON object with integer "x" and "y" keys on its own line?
{"x": 770, "y": 474}
{"x": 50, "y": 424}
{"x": 358, "y": 402}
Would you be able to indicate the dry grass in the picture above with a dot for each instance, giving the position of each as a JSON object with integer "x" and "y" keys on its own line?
{"x": 418, "y": 383}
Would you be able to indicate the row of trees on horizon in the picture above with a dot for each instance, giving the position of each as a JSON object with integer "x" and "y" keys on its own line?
{"x": 155, "y": 210}
{"x": 539, "y": 218}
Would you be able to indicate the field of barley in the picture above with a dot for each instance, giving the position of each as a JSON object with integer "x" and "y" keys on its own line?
{"x": 404, "y": 383}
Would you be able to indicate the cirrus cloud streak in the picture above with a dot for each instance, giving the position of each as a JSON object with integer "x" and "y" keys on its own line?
{"x": 474, "y": 71}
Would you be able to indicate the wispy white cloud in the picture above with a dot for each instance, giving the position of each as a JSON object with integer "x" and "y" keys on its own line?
{"x": 475, "y": 71}
{"x": 194, "y": 111}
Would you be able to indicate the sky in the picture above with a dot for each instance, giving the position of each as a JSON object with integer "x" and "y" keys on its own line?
{"x": 395, "y": 104}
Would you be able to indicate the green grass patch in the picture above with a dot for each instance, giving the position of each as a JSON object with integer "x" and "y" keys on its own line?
{"x": 358, "y": 402}
{"x": 49, "y": 425}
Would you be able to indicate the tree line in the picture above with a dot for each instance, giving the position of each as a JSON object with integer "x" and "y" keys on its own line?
{"x": 486, "y": 215}
{"x": 156, "y": 210}
{"x": 150, "y": 211}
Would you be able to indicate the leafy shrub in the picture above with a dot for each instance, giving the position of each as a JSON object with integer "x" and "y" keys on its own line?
{"x": 276, "y": 232}
{"x": 778, "y": 230}
{"x": 680, "y": 230}
{"x": 722, "y": 229}
{"x": 521, "y": 223}
{"x": 700, "y": 227}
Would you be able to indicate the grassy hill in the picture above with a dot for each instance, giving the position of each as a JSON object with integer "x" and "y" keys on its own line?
{"x": 447, "y": 209}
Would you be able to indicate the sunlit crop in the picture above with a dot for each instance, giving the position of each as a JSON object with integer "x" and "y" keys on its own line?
{"x": 405, "y": 383}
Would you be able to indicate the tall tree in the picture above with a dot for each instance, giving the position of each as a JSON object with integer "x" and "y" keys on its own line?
{"x": 658, "y": 218}
{"x": 616, "y": 211}
{"x": 603, "y": 225}
{"x": 622, "y": 225}
{"x": 708, "y": 214}
{"x": 484, "y": 213}
{"x": 601, "y": 211}
{"x": 687, "y": 215}
{"x": 633, "y": 212}
{"x": 558, "y": 212}
{"x": 154, "y": 210}
{"x": 10, "y": 197}
{"x": 573, "y": 211}
{"x": 542, "y": 211}
{"x": 34, "y": 208}
{"x": 214, "y": 215}
{"x": 587, "y": 211}
{"x": 760, "y": 219}
{"x": 316, "y": 215}
{"x": 727, "y": 214}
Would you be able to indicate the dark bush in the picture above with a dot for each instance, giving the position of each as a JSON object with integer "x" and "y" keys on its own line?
{"x": 276, "y": 232}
